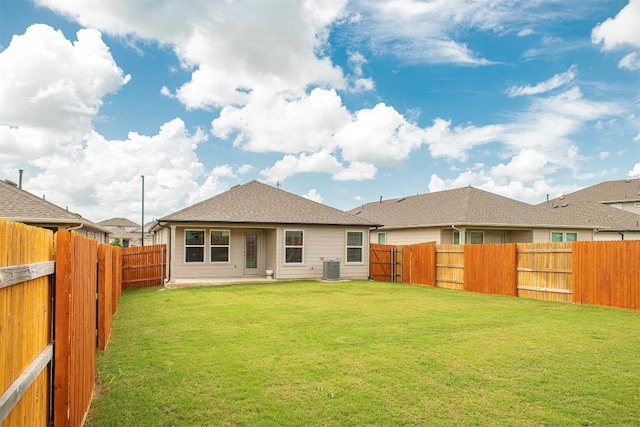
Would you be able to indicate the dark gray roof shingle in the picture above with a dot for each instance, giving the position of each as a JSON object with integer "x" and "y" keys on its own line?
{"x": 470, "y": 206}
{"x": 256, "y": 202}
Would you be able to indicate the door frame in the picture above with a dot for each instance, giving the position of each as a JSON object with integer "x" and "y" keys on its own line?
{"x": 259, "y": 253}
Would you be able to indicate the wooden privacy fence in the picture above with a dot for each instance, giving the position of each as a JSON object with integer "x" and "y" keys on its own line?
{"x": 51, "y": 322}
{"x": 603, "y": 273}
{"x": 143, "y": 266}
{"x": 26, "y": 343}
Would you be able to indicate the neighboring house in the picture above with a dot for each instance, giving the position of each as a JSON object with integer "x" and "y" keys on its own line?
{"x": 256, "y": 230}
{"x": 470, "y": 215}
{"x": 19, "y": 205}
{"x": 124, "y": 229}
{"x": 613, "y": 204}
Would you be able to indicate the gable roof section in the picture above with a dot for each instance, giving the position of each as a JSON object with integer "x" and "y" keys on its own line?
{"x": 256, "y": 202}
{"x": 460, "y": 206}
{"x": 118, "y": 222}
{"x": 601, "y": 216}
{"x": 470, "y": 206}
{"x": 624, "y": 190}
{"x": 20, "y": 205}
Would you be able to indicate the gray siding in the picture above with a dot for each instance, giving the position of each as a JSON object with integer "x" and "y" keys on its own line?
{"x": 322, "y": 243}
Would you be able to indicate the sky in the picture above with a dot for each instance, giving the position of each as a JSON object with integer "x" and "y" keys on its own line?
{"x": 339, "y": 101}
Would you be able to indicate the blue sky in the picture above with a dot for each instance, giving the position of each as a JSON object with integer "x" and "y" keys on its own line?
{"x": 338, "y": 101}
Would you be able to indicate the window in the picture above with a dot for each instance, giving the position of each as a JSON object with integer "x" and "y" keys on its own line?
{"x": 194, "y": 246}
{"x": 220, "y": 246}
{"x": 616, "y": 205}
{"x": 456, "y": 237}
{"x": 559, "y": 236}
{"x": 382, "y": 238}
{"x": 636, "y": 204}
{"x": 293, "y": 246}
{"x": 355, "y": 246}
{"x": 476, "y": 237}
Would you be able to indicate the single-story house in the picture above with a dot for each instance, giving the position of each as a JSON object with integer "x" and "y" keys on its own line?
{"x": 256, "y": 230}
{"x": 616, "y": 204}
{"x": 19, "y": 205}
{"x": 128, "y": 231}
{"x": 470, "y": 215}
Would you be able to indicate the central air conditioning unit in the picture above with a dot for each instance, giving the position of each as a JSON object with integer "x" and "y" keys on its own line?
{"x": 331, "y": 270}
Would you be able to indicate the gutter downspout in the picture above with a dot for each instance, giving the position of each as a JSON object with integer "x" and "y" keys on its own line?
{"x": 621, "y": 233}
{"x": 461, "y": 234}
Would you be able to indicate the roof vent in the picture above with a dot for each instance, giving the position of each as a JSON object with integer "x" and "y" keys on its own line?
{"x": 11, "y": 183}
{"x": 564, "y": 205}
{"x": 401, "y": 200}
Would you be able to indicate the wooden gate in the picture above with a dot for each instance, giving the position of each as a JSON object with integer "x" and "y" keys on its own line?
{"x": 385, "y": 263}
{"x": 143, "y": 266}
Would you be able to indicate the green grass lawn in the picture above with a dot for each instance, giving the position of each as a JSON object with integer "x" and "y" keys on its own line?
{"x": 364, "y": 353}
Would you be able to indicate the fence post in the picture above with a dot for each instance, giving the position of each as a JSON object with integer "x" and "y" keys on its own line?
{"x": 62, "y": 331}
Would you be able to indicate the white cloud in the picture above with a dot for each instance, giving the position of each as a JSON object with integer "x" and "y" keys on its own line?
{"x": 313, "y": 194}
{"x": 228, "y": 50}
{"x": 356, "y": 171}
{"x": 630, "y": 62}
{"x": 455, "y": 143}
{"x": 321, "y": 161}
{"x": 66, "y": 96}
{"x": 167, "y": 160}
{"x": 528, "y": 165}
{"x": 378, "y": 135}
{"x": 429, "y": 32}
{"x": 635, "y": 172}
{"x": 621, "y": 30}
{"x": 554, "y": 82}
{"x": 271, "y": 122}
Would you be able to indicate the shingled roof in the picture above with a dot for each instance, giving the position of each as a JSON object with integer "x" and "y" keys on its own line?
{"x": 18, "y": 203}
{"x": 22, "y": 206}
{"x": 256, "y": 202}
{"x": 465, "y": 205}
{"x": 624, "y": 190}
{"x": 118, "y": 222}
{"x": 470, "y": 206}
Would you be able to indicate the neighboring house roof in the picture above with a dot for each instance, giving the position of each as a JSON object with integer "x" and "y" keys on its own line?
{"x": 624, "y": 190}
{"x": 21, "y": 206}
{"x": 603, "y": 216}
{"x": 256, "y": 202}
{"x": 119, "y": 222}
{"x": 470, "y": 206}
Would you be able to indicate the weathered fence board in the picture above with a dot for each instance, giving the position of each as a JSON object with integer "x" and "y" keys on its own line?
{"x": 105, "y": 294}
{"x": 143, "y": 266}
{"x": 418, "y": 263}
{"x": 381, "y": 262}
{"x": 450, "y": 266}
{"x": 25, "y": 311}
{"x": 607, "y": 273}
{"x": 586, "y": 272}
{"x": 544, "y": 271}
{"x": 76, "y": 278}
{"x": 491, "y": 269}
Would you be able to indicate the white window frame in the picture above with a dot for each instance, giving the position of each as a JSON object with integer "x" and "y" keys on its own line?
{"x": 382, "y": 234}
{"x": 456, "y": 236}
{"x": 347, "y": 247}
{"x": 203, "y": 246}
{"x": 301, "y": 247}
{"x": 471, "y": 232}
{"x": 211, "y": 246}
{"x": 563, "y": 236}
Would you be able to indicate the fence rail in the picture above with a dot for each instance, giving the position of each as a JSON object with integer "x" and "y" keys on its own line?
{"x": 602, "y": 273}
{"x": 42, "y": 383}
{"x": 143, "y": 266}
